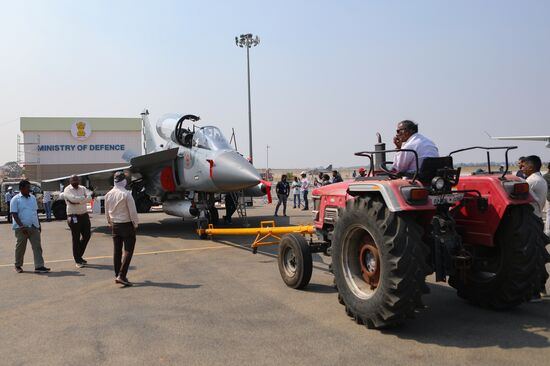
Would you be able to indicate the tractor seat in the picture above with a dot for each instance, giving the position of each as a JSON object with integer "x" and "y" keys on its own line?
{"x": 430, "y": 166}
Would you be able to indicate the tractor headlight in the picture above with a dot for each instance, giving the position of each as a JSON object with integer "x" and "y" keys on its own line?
{"x": 438, "y": 183}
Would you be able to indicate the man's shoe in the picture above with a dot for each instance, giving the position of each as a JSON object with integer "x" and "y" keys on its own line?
{"x": 80, "y": 265}
{"x": 18, "y": 269}
{"x": 41, "y": 270}
{"x": 123, "y": 281}
{"x": 83, "y": 261}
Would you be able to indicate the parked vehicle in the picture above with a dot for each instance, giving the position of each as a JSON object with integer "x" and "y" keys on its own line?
{"x": 58, "y": 206}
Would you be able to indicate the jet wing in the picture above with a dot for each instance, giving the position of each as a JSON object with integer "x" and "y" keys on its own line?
{"x": 143, "y": 165}
{"x": 148, "y": 163}
{"x": 527, "y": 138}
{"x": 98, "y": 175}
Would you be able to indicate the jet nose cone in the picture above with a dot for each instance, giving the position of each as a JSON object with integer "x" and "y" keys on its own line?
{"x": 232, "y": 172}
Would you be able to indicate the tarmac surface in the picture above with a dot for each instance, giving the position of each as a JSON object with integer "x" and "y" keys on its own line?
{"x": 215, "y": 303}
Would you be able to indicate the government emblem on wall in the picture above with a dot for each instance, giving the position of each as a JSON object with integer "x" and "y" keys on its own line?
{"x": 81, "y": 130}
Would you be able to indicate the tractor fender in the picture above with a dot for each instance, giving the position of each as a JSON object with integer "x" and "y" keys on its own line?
{"x": 390, "y": 191}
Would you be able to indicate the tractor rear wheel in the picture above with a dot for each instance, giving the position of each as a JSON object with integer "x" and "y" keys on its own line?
{"x": 510, "y": 273}
{"x": 379, "y": 263}
{"x": 295, "y": 262}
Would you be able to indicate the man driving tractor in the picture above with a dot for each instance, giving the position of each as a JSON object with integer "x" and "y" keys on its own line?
{"x": 407, "y": 137}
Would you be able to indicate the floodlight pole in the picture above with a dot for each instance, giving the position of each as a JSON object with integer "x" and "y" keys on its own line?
{"x": 247, "y": 40}
{"x": 267, "y": 158}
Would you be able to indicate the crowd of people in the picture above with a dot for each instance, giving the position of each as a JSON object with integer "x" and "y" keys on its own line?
{"x": 120, "y": 213}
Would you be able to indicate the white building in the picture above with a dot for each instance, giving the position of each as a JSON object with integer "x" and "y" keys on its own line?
{"x": 60, "y": 146}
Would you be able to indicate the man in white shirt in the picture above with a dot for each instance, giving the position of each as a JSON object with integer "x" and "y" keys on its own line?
{"x": 76, "y": 197}
{"x": 537, "y": 185}
{"x": 407, "y": 137}
{"x": 122, "y": 217}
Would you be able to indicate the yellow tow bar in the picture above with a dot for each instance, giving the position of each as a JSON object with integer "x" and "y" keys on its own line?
{"x": 266, "y": 231}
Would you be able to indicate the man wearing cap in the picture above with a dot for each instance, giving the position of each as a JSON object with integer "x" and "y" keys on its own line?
{"x": 305, "y": 190}
{"x": 122, "y": 217}
{"x": 76, "y": 197}
{"x": 362, "y": 172}
{"x": 7, "y": 199}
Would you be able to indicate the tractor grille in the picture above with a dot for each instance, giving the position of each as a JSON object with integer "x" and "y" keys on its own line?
{"x": 331, "y": 215}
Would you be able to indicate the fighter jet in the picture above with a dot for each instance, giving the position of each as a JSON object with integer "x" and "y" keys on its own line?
{"x": 186, "y": 168}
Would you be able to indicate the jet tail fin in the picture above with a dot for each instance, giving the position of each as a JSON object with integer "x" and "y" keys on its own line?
{"x": 149, "y": 134}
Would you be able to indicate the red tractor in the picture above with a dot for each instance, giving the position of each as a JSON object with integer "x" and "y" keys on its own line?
{"x": 386, "y": 232}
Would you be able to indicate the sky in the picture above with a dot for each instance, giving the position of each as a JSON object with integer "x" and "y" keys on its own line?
{"x": 325, "y": 78}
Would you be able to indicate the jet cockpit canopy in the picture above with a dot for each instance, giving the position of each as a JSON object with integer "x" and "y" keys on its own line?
{"x": 211, "y": 138}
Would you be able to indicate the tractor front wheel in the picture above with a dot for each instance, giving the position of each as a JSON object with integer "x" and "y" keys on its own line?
{"x": 379, "y": 263}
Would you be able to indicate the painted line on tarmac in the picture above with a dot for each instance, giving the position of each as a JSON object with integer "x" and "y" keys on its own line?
{"x": 135, "y": 254}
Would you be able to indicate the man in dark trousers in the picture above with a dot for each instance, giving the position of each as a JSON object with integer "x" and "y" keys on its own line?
{"x": 122, "y": 217}
{"x": 76, "y": 197}
{"x": 27, "y": 228}
{"x": 283, "y": 190}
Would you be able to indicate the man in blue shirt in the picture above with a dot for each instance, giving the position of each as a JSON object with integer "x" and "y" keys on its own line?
{"x": 23, "y": 208}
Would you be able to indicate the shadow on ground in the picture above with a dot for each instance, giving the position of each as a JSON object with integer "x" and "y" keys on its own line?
{"x": 170, "y": 285}
{"x": 451, "y": 321}
{"x": 63, "y": 274}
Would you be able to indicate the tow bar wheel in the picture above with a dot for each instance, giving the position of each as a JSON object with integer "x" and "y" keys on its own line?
{"x": 295, "y": 262}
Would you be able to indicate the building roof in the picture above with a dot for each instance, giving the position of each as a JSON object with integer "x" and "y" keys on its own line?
{"x": 65, "y": 123}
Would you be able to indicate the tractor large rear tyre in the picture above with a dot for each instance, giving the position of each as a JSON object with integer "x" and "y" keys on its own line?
{"x": 514, "y": 269}
{"x": 379, "y": 263}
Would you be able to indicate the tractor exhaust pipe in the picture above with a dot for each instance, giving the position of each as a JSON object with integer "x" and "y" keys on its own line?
{"x": 379, "y": 157}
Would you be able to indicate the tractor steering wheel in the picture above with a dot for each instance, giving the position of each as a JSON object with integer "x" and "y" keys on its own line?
{"x": 392, "y": 175}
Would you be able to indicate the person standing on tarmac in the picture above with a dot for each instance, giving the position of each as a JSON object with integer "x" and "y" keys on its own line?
{"x": 26, "y": 227}
{"x": 122, "y": 217}
{"x": 283, "y": 190}
{"x": 7, "y": 199}
{"x": 76, "y": 197}
{"x": 336, "y": 177}
{"x": 47, "y": 200}
{"x": 296, "y": 192}
{"x": 537, "y": 185}
{"x": 547, "y": 179}
{"x": 305, "y": 190}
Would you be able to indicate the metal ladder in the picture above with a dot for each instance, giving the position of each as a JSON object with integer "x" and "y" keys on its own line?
{"x": 238, "y": 198}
